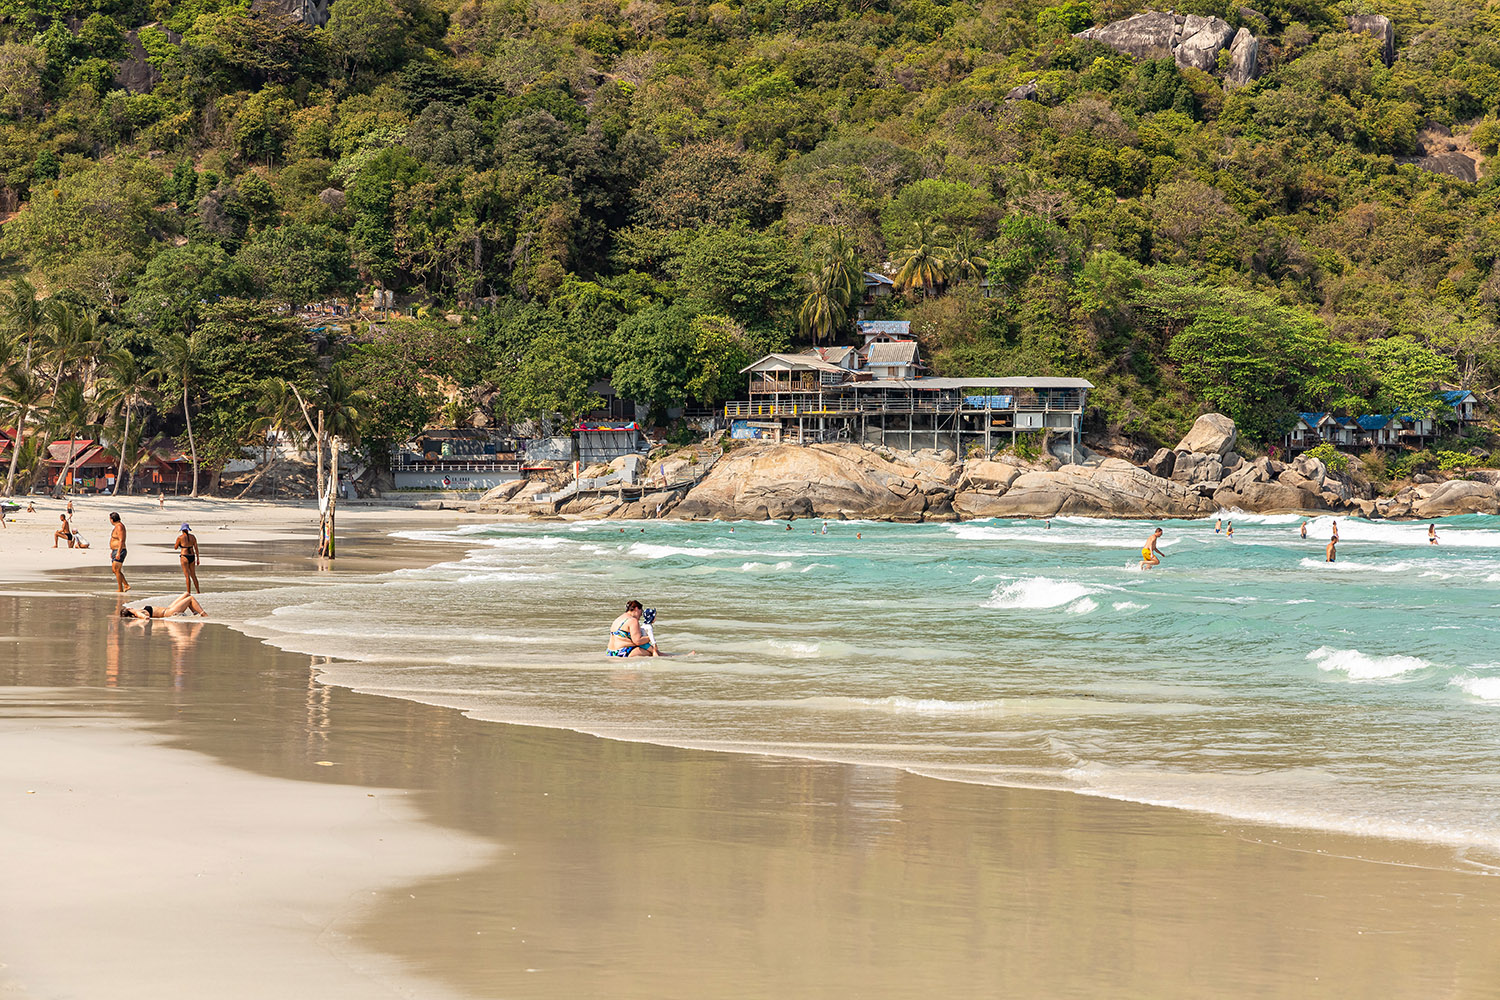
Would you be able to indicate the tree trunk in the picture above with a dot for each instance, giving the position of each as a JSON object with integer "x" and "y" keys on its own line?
{"x": 257, "y": 477}
{"x": 15, "y": 449}
{"x": 192, "y": 445}
{"x": 333, "y": 501}
{"x": 120, "y": 463}
{"x": 320, "y": 441}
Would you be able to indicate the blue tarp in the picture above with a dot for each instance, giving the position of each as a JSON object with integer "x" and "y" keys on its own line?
{"x": 989, "y": 402}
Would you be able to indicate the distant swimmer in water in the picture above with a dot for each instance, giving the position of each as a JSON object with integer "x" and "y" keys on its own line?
{"x": 1335, "y": 531}
{"x": 1332, "y": 552}
{"x": 187, "y": 604}
{"x": 1304, "y": 529}
{"x": 1047, "y": 524}
{"x": 1150, "y": 554}
{"x": 1218, "y": 525}
{"x": 625, "y": 635}
{"x": 789, "y": 526}
{"x": 1432, "y": 534}
{"x": 1229, "y": 529}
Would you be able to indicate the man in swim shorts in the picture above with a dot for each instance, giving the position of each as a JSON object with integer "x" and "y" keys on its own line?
{"x": 1150, "y": 554}
{"x": 187, "y": 554}
{"x": 1331, "y": 553}
{"x": 64, "y": 533}
{"x": 117, "y": 551}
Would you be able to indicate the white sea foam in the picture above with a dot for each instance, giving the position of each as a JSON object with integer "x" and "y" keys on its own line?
{"x": 1360, "y": 666}
{"x": 1083, "y": 606}
{"x": 1351, "y": 566}
{"x": 1483, "y": 688}
{"x": 1036, "y": 592}
{"x": 1233, "y": 514}
{"x": 1129, "y": 606}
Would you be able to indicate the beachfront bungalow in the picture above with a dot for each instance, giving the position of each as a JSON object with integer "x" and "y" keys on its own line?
{"x": 1461, "y": 402}
{"x": 877, "y": 287}
{"x": 873, "y": 331}
{"x": 1310, "y": 430}
{"x": 460, "y": 458}
{"x": 804, "y": 398}
{"x": 89, "y": 466}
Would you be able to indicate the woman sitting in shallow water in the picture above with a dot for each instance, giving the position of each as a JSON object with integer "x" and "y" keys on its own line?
{"x": 626, "y": 637}
{"x": 186, "y": 604}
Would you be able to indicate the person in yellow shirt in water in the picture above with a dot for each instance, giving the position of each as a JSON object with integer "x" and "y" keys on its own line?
{"x": 1150, "y": 554}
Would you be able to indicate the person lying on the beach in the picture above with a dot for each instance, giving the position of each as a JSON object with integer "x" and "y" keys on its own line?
{"x": 185, "y": 605}
{"x": 626, "y": 637}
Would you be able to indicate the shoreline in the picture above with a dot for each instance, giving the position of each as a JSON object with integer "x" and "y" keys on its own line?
{"x": 844, "y": 874}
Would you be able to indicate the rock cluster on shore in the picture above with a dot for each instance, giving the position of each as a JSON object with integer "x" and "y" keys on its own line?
{"x": 1203, "y": 474}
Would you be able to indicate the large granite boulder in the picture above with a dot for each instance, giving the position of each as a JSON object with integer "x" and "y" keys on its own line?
{"x": 1457, "y": 496}
{"x": 1188, "y": 39}
{"x": 1193, "y": 467}
{"x": 1269, "y": 498}
{"x": 1115, "y": 488}
{"x": 1212, "y": 434}
{"x": 1244, "y": 59}
{"x": 1379, "y": 26}
{"x": 828, "y": 480}
{"x": 1162, "y": 463}
{"x": 992, "y": 476}
{"x": 1199, "y": 41}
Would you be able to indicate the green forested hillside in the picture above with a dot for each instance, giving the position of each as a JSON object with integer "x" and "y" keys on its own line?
{"x": 655, "y": 191}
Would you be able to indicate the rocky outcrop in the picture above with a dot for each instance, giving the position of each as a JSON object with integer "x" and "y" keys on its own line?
{"x": 1212, "y": 434}
{"x": 1379, "y": 26}
{"x": 1162, "y": 463}
{"x": 1025, "y": 92}
{"x": 832, "y": 480}
{"x": 1114, "y": 489}
{"x": 1244, "y": 59}
{"x": 1188, "y": 39}
{"x": 1458, "y": 496}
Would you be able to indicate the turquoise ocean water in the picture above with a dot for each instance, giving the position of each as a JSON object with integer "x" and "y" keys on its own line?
{"x": 1245, "y": 677}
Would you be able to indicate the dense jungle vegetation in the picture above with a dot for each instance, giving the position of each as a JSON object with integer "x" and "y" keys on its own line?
{"x": 659, "y": 191}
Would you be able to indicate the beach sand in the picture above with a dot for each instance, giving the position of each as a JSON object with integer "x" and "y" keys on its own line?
{"x": 188, "y": 813}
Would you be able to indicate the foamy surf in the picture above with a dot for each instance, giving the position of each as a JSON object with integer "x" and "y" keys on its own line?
{"x": 1358, "y": 666}
{"x": 1036, "y": 592}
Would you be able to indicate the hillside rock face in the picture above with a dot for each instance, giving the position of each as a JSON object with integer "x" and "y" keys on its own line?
{"x": 1244, "y": 59}
{"x": 1380, "y": 26}
{"x": 1188, "y": 39}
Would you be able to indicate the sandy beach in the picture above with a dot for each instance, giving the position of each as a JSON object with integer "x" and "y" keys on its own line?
{"x": 189, "y": 812}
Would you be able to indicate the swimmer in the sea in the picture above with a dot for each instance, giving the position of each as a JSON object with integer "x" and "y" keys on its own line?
{"x": 1304, "y": 529}
{"x": 1218, "y": 525}
{"x": 1229, "y": 529}
{"x": 187, "y": 604}
{"x": 1150, "y": 554}
{"x": 1432, "y": 534}
{"x": 1331, "y": 554}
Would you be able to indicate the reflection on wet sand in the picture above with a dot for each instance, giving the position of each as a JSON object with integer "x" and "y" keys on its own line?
{"x": 629, "y": 870}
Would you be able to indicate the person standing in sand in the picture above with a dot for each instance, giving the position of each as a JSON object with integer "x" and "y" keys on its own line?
{"x": 1151, "y": 555}
{"x": 64, "y": 533}
{"x": 117, "y": 551}
{"x": 187, "y": 554}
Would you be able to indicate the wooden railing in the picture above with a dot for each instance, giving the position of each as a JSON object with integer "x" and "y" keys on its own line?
{"x": 1066, "y": 401}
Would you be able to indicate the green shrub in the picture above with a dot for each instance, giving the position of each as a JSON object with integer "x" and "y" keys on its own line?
{"x": 1449, "y": 460}
{"x": 1333, "y": 459}
{"x": 1028, "y": 446}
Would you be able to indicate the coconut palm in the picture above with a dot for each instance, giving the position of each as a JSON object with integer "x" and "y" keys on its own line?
{"x": 24, "y": 319}
{"x": 120, "y": 389}
{"x": 68, "y": 418}
{"x": 926, "y": 261}
{"x": 280, "y": 411}
{"x": 967, "y": 259}
{"x": 834, "y": 284}
{"x": 177, "y": 366}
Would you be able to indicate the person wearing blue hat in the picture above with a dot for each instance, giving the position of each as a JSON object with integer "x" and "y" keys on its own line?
{"x": 187, "y": 554}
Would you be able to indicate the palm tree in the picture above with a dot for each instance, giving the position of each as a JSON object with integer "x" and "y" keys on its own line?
{"x": 22, "y": 392}
{"x": 967, "y": 258}
{"x": 834, "y": 284}
{"x": 68, "y": 418}
{"x": 925, "y": 262}
{"x": 120, "y": 390}
{"x": 280, "y": 410}
{"x": 24, "y": 318}
{"x": 177, "y": 366}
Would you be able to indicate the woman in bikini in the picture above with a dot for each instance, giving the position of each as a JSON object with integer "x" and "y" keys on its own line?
{"x": 186, "y": 604}
{"x": 187, "y": 554}
{"x": 626, "y": 637}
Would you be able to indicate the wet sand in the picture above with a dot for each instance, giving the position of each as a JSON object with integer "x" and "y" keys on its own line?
{"x": 187, "y": 812}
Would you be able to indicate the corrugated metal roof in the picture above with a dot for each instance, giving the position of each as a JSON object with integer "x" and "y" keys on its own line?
{"x": 792, "y": 362}
{"x": 872, "y": 278}
{"x": 1041, "y": 382}
{"x": 898, "y": 352}
{"x": 885, "y": 327}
